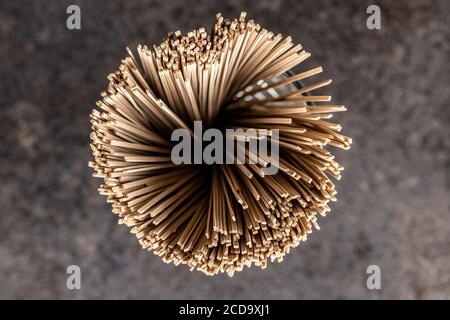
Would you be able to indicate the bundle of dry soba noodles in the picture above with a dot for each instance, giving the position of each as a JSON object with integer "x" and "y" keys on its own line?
{"x": 221, "y": 217}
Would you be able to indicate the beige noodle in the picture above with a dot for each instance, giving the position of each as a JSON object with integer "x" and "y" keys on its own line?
{"x": 216, "y": 218}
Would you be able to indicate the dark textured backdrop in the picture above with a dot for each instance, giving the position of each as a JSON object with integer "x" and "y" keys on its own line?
{"x": 393, "y": 207}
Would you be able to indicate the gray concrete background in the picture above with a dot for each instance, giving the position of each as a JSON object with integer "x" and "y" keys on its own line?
{"x": 393, "y": 207}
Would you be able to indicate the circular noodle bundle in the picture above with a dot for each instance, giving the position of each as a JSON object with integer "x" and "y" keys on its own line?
{"x": 216, "y": 218}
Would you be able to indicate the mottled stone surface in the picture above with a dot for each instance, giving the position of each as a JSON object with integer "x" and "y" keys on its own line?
{"x": 393, "y": 207}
